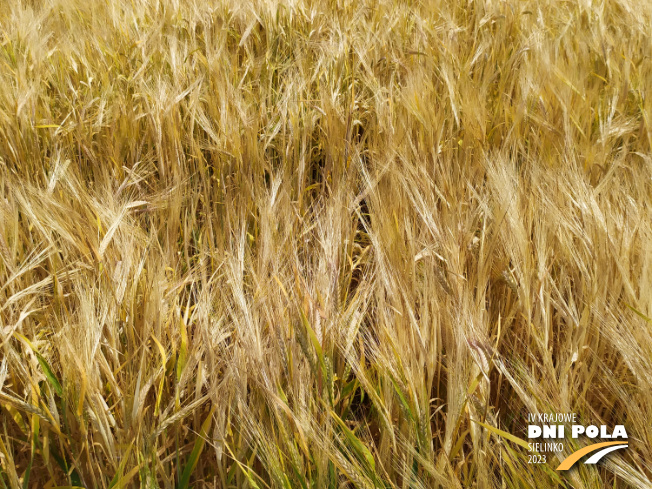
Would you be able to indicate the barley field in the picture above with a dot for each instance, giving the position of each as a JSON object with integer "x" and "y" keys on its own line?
{"x": 322, "y": 243}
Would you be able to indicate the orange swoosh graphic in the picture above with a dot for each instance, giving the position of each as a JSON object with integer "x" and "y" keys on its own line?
{"x": 575, "y": 456}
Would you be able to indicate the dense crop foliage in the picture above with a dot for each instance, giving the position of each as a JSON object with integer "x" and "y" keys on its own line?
{"x": 320, "y": 244}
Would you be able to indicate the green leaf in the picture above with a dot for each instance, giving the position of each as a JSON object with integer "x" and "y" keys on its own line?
{"x": 360, "y": 448}
{"x": 118, "y": 480}
{"x": 349, "y": 389}
{"x": 639, "y": 313}
{"x": 183, "y": 349}
{"x": 401, "y": 397}
{"x": 458, "y": 445}
{"x": 27, "y": 472}
{"x": 250, "y": 478}
{"x": 196, "y": 451}
{"x": 313, "y": 338}
{"x": 47, "y": 370}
